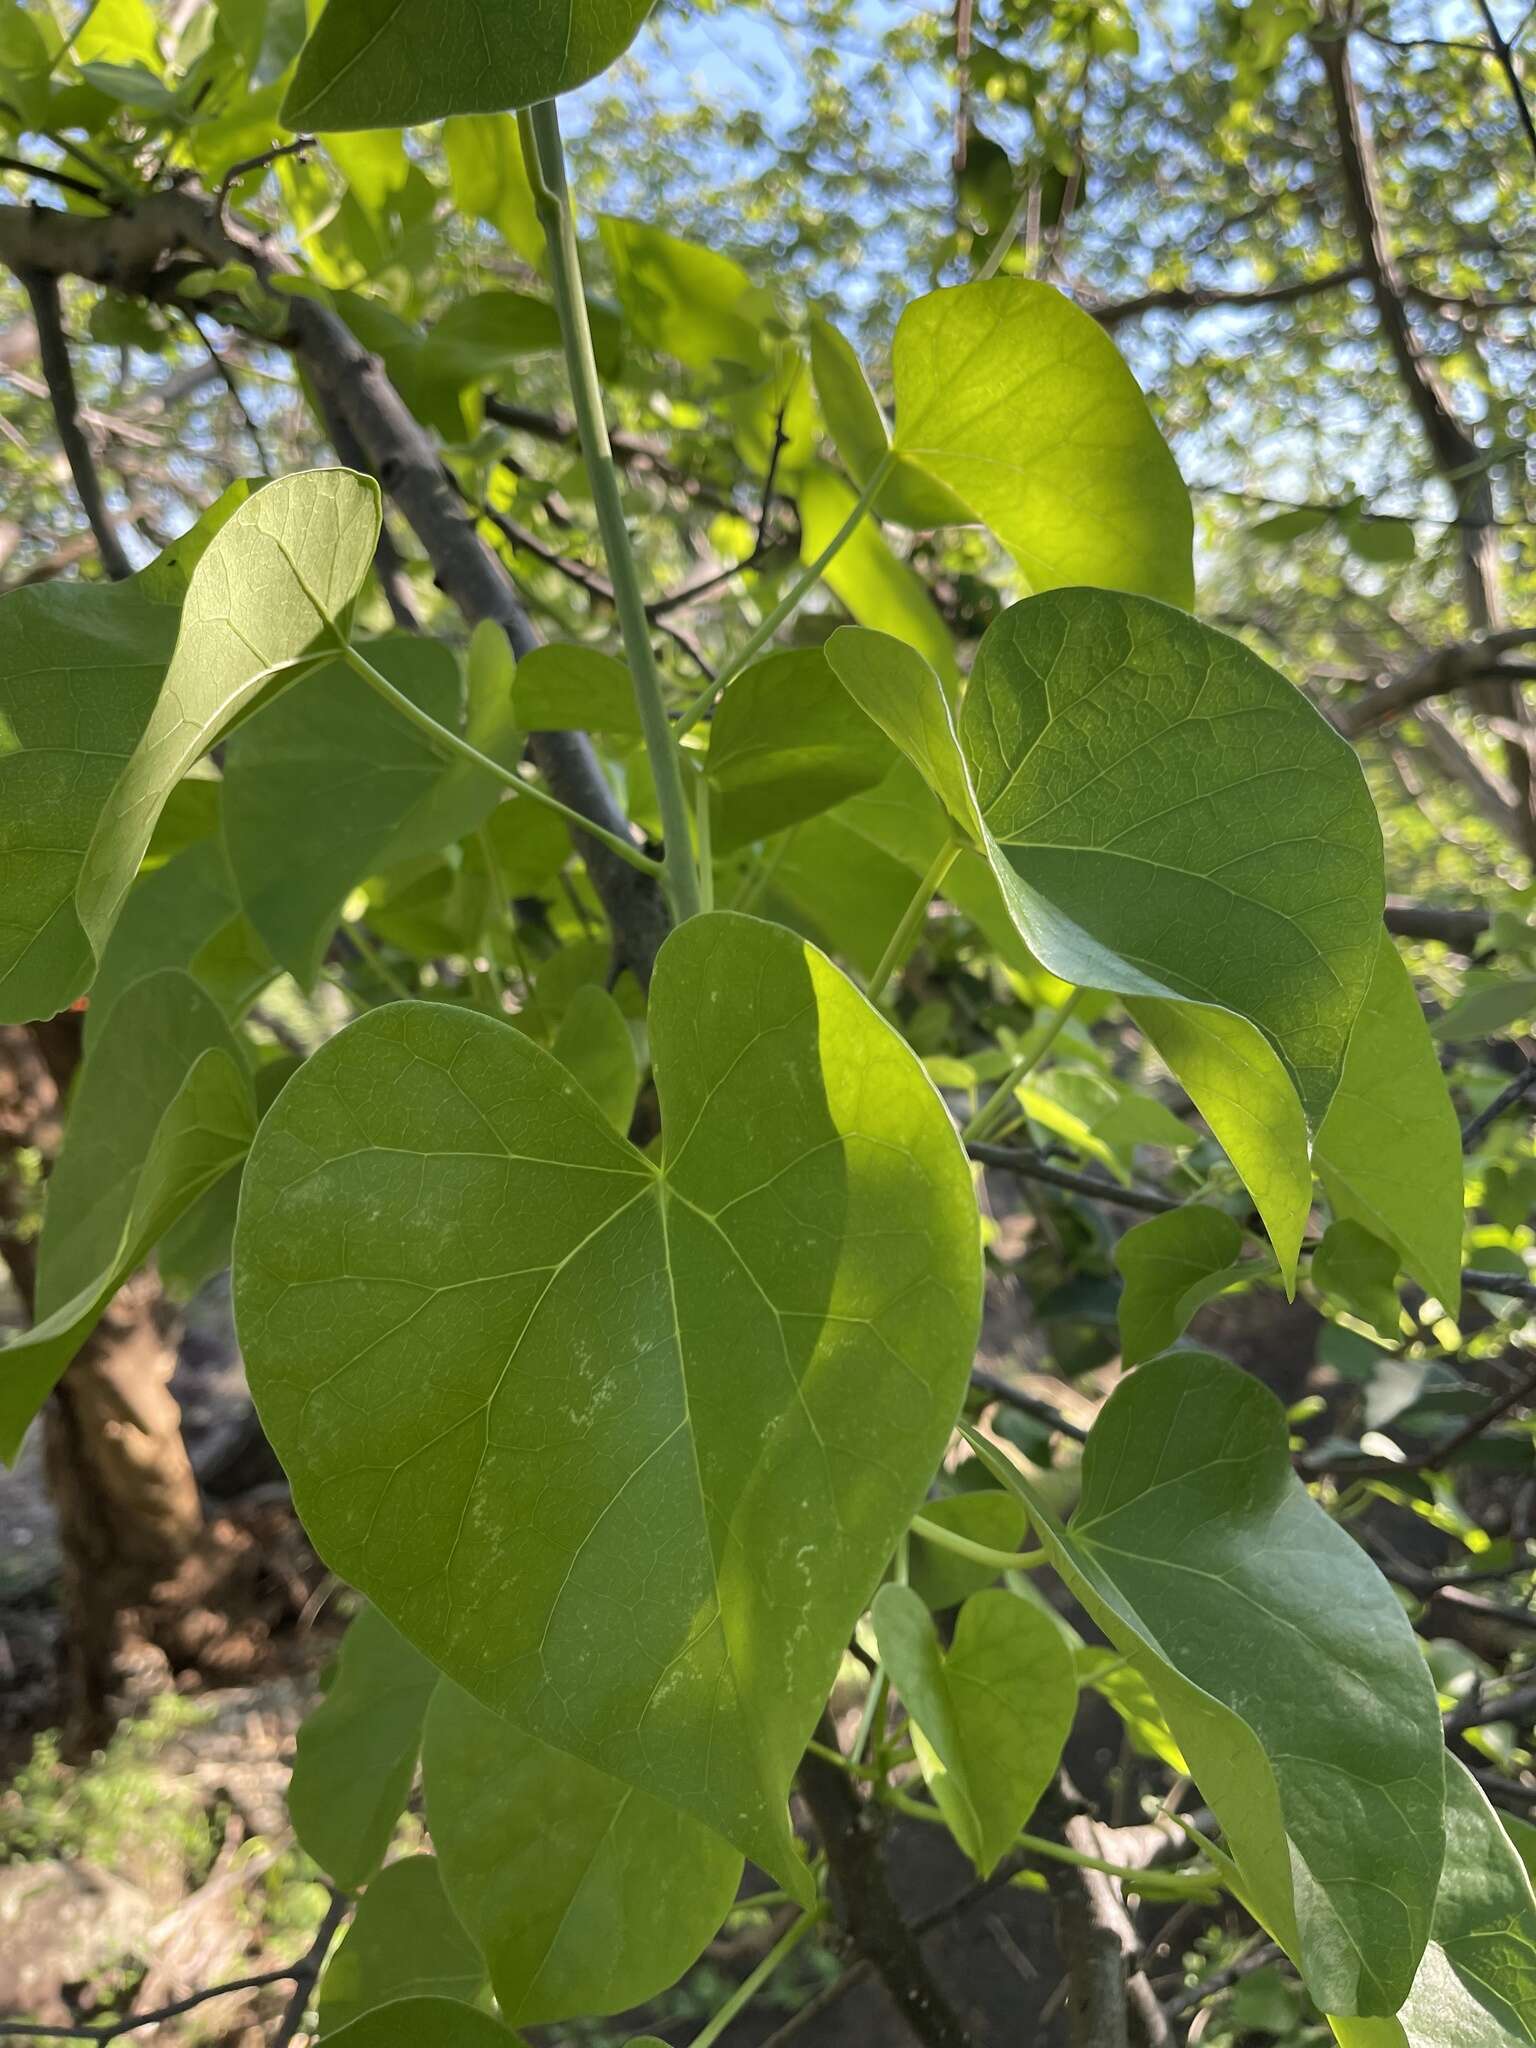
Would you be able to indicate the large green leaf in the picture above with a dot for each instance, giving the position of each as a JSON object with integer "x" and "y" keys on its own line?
{"x": 394, "y": 63}
{"x": 1283, "y": 1664}
{"x": 405, "y": 1941}
{"x": 568, "y": 1415}
{"x": 330, "y": 783}
{"x": 1389, "y": 1150}
{"x": 991, "y": 1714}
{"x": 1021, "y": 405}
{"x": 1171, "y": 1266}
{"x": 1476, "y": 1987}
{"x": 80, "y": 665}
{"x": 356, "y": 1753}
{"x": 787, "y": 742}
{"x": 163, "y": 1107}
{"x": 563, "y": 688}
{"x": 278, "y": 578}
{"x": 584, "y": 1895}
{"x": 1165, "y": 815}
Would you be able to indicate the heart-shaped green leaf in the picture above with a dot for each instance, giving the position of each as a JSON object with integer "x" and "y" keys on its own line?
{"x": 1389, "y": 1150}
{"x": 1172, "y": 1265}
{"x": 585, "y": 1896}
{"x": 991, "y": 1714}
{"x": 356, "y": 1754}
{"x": 613, "y": 1441}
{"x": 1021, "y": 405}
{"x": 1282, "y": 1661}
{"x": 405, "y": 1941}
{"x": 162, "y": 1109}
{"x": 393, "y": 63}
{"x": 1166, "y": 815}
{"x": 1477, "y": 1983}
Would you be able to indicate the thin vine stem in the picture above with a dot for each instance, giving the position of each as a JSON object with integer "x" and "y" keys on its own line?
{"x": 749, "y": 1987}
{"x": 901, "y": 939}
{"x": 789, "y": 603}
{"x": 985, "y": 1119}
{"x": 1162, "y": 1884}
{"x": 979, "y": 1553}
{"x": 451, "y": 743}
{"x": 545, "y": 153}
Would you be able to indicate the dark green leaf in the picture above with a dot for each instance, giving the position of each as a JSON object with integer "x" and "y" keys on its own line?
{"x": 356, "y": 1753}
{"x": 1360, "y": 1272}
{"x": 1172, "y": 1265}
{"x": 584, "y": 1895}
{"x": 1281, "y": 1659}
{"x": 405, "y": 1941}
{"x": 393, "y": 64}
{"x": 786, "y": 743}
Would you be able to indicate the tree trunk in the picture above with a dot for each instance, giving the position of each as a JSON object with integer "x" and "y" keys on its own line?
{"x": 130, "y": 1519}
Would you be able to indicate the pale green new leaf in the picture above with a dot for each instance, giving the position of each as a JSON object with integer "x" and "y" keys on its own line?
{"x": 1389, "y": 1150}
{"x": 862, "y": 437}
{"x": 1476, "y": 1987}
{"x": 163, "y": 1107}
{"x": 1282, "y": 1662}
{"x": 485, "y": 163}
{"x": 1020, "y": 404}
{"x": 1171, "y": 1266}
{"x": 594, "y": 1043}
{"x": 329, "y": 784}
{"x": 991, "y": 1714}
{"x": 395, "y": 63}
{"x": 1165, "y": 814}
{"x": 1489, "y": 1006}
{"x": 80, "y": 666}
{"x": 684, "y": 300}
{"x": 405, "y": 1941}
{"x": 584, "y": 1895}
{"x": 786, "y": 743}
{"x": 356, "y": 1753}
{"x": 569, "y": 1415}
{"x": 276, "y": 580}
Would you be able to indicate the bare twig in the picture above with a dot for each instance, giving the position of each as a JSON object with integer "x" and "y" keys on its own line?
{"x": 997, "y": 1389}
{"x": 299, "y": 146}
{"x": 1480, "y": 1710}
{"x": 301, "y": 1975}
{"x": 53, "y": 350}
{"x": 870, "y": 1916}
{"x": 1506, "y": 1099}
{"x": 1223, "y": 1980}
{"x": 1504, "y": 55}
{"x": 49, "y": 176}
{"x": 1030, "y": 1166}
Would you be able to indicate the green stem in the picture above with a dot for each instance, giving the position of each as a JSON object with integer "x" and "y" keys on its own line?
{"x": 1024, "y": 1065}
{"x": 978, "y": 1553}
{"x": 786, "y": 605}
{"x": 1164, "y": 1883}
{"x": 705, "y": 827}
{"x": 540, "y": 128}
{"x": 901, "y": 939}
{"x": 749, "y": 1987}
{"x": 451, "y": 743}
{"x": 374, "y": 960}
